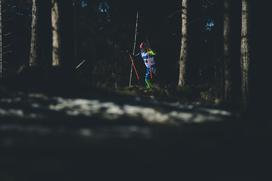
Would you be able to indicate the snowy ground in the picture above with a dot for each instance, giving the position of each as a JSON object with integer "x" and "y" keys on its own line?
{"x": 98, "y": 117}
{"x": 125, "y": 138}
{"x": 39, "y": 106}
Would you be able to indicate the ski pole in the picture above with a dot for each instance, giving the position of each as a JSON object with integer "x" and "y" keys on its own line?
{"x": 134, "y": 45}
{"x": 134, "y": 67}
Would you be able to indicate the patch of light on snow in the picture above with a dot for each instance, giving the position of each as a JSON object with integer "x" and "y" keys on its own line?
{"x": 70, "y": 106}
{"x": 216, "y": 112}
{"x": 35, "y": 105}
{"x": 194, "y": 117}
{"x": 200, "y": 118}
{"x": 9, "y": 100}
{"x": 86, "y": 132}
{"x": 18, "y": 113}
{"x": 37, "y": 95}
{"x": 86, "y": 107}
{"x": 112, "y": 111}
{"x": 180, "y": 106}
{"x": 181, "y": 115}
{"x": 12, "y": 112}
{"x": 148, "y": 114}
{"x": 115, "y": 109}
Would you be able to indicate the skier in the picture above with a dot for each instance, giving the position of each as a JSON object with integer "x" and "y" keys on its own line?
{"x": 148, "y": 57}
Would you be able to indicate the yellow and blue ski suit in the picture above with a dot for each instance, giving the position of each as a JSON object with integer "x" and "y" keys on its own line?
{"x": 148, "y": 58}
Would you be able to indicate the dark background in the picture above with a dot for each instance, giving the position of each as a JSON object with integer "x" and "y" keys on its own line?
{"x": 239, "y": 150}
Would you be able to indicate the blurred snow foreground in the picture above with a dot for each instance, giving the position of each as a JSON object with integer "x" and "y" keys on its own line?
{"x": 39, "y": 106}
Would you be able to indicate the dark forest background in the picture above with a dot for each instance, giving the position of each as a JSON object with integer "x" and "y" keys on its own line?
{"x": 104, "y": 39}
{"x": 81, "y": 119}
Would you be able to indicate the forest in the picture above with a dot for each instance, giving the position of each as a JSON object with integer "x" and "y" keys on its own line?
{"x": 134, "y": 90}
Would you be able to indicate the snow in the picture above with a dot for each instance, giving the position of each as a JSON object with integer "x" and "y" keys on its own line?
{"x": 37, "y": 106}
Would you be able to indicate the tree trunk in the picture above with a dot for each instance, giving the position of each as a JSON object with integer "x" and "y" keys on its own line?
{"x": 183, "y": 50}
{"x": 227, "y": 52}
{"x": 33, "y": 59}
{"x": 56, "y": 39}
{"x": 245, "y": 56}
{"x": 1, "y": 42}
{"x": 75, "y": 26}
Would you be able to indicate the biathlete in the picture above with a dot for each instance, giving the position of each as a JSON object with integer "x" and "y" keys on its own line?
{"x": 148, "y": 56}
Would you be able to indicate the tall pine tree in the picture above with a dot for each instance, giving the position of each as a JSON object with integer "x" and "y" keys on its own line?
{"x": 56, "y": 38}
{"x": 184, "y": 41}
{"x": 34, "y": 47}
{"x": 245, "y": 51}
{"x": 1, "y": 42}
{"x": 227, "y": 51}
